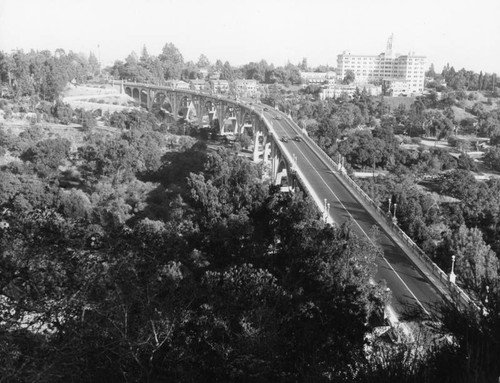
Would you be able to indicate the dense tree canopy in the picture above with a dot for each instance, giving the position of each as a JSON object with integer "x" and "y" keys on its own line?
{"x": 44, "y": 74}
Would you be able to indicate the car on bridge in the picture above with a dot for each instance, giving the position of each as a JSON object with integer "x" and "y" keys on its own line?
{"x": 277, "y": 117}
{"x": 284, "y": 139}
{"x": 297, "y": 138}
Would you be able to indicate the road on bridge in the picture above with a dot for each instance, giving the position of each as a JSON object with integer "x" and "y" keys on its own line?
{"x": 410, "y": 289}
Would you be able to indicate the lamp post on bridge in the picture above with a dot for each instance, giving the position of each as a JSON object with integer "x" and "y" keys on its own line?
{"x": 327, "y": 212}
{"x": 394, "y": 219}
{"x": 389, "y": 209}
{"x": 452, "y": 277}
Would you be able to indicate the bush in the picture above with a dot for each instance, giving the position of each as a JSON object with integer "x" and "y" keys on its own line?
{"x": 467, "y": 162}
{"x": 63, "y": 113}
{"x": 48, "y": 153}
{"x": 32, "y": 134}
{"x": 453, "y": 141}
{"x": 86, "y": 119}
{"x": 416, "y": 140}
{"x": 407, "y": 140}
{"x": 8, "y": 112}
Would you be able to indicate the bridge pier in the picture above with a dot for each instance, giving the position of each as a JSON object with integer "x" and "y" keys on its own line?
{"x": 211, "y": 116}
{"x": 150, "y": 99}
{"x": 222, "y": 116}
{"x": 198, "y": 103}
{"x": 256, "y": 151}
{"x": 275, "y": 160}
{"x": 266, "y": 149}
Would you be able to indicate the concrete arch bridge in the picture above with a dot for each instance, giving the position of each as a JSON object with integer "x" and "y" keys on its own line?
{"x": 231, "y": 116}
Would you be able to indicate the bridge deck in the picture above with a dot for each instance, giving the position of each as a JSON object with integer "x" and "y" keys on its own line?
{"x": 409, "y": 287}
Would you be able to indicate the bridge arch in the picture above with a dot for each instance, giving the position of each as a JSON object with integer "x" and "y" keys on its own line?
{"x": 183, "y": 106}
{"x": 209, "y": 105}
{"x": 128, "y": 91}
{"x": 246, "y": 123}
{"x": 162, "y": 103}
{"x": 282, "y": 177}
{"x": 136, "y": 94}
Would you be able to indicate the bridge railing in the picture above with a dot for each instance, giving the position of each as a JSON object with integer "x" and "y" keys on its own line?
{"x": 285, "y": 152}
{"x": 187, "y": 91}
{"x": 456, "y": 293}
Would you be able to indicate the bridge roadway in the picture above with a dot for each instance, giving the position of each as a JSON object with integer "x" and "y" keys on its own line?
{"x": 410, "y": 289}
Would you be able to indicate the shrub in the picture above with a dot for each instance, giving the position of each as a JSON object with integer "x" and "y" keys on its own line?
{"x": 467, "y": 162}
{"x": 63, "y": 112}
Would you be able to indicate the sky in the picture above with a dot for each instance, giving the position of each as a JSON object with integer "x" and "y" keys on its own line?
{"x": 463, "y": 33}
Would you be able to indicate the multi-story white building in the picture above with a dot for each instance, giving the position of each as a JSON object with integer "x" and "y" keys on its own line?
{"x": 336, "y": 90}
{"x": 246, "y": 87}
{"x": 177, "y": 84}
{"x": 199, "y": 85}
{"x": 406, "y": 72}
{"x": 220, "y": 86}
{"x": 317, "y": 77}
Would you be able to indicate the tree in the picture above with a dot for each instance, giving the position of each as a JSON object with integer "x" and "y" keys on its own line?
{"x": 172, "y": 61}
{"x": 63, "y": 113}
{"x": 492, "y": 157}
{"x": 145, "y": 58}
{"x": 476, "y": 264}
{"x": 7, "y": 67}
{"x": 86, "y": 119}
{"x": 363, "y": 150}
{"x": 431, "y": 72}
{"x": 349, "y": 116}
{"x": 436, "y": 124}
{"x": 459, "y": 184}
{"x": 227, "y": 72}
{"x": 48, "y": 153}
{"x": 349, "y": 77}
{"x": 303, "y": 65}
{"x": 94, "y": 64}
{"x": 203, "y": 62}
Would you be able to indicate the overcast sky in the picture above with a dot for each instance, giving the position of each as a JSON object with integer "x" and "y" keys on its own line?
{"x": 462, "y": 32}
